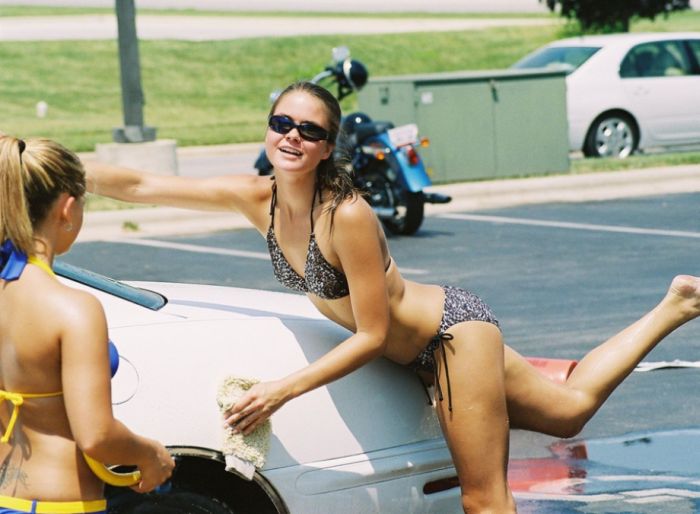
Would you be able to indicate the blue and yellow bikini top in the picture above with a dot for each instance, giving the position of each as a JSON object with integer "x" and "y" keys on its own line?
{"x": 12, "y": 263}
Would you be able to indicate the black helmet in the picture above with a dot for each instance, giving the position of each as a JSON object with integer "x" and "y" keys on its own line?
{"x": 355, "y": 73}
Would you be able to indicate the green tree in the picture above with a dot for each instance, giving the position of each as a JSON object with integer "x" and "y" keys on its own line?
{"x": 612, "y": 15}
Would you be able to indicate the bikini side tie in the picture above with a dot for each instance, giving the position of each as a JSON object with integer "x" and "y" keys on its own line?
{"x": 440, "y": 339}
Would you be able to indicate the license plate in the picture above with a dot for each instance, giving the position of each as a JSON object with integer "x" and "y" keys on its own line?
{"x": 403, "y": 135}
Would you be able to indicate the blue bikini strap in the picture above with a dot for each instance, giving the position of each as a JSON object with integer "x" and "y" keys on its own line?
{"x": 12, "y": 261}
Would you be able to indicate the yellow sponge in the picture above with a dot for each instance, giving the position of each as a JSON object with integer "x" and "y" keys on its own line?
{"x": 243, "y": 453}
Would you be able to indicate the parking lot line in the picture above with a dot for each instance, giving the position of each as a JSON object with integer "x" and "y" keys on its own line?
{"x": 573, "y": 226}
{"x": 184, "y": 247}
{"x": 191, "y": 248}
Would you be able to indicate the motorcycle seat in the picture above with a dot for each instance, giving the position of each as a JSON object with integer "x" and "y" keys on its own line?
{"x": 364, "y": 130}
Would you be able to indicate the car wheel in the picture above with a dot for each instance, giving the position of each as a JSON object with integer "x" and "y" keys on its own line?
{"x": 198, "y": 486}
{"x": 612, "y": 135}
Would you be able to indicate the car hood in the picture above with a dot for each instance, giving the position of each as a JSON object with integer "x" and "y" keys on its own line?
{"x": 173, "y": 361}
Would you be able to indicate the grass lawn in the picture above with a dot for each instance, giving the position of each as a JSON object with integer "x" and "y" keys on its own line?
{"x": 216, "y": 92}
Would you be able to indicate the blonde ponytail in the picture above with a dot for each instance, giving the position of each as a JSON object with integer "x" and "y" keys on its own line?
{"x": 14, "y": 215}
{"x": 33, "y": 174}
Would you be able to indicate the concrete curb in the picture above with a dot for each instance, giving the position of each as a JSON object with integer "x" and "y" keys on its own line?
{"x": 472, "y": 196}
{"x": 569, "y": 188}
{"x": 210, "y": 150}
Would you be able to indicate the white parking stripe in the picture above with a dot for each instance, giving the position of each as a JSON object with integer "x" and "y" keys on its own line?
{"x": 412, "y": 271}
{"x": 219, "y": 251}
{"x": 569, "y": 225}
{"x": 191, "y": 248}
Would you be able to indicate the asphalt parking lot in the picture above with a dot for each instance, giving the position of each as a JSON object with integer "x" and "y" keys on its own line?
{"x": 561, "y": 277}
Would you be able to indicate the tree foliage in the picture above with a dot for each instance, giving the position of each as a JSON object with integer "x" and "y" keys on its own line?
{"x": 613, "y": 15}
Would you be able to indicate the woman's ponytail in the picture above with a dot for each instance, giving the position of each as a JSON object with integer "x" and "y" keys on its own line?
{"x": 33, "y": 174}
{"x": 14, "y": 213}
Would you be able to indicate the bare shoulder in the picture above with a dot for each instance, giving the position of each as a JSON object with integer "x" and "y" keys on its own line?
{"x": 73, "y": 306}
{"x": 354, "y": 211}
{"x": 355, "y": 225}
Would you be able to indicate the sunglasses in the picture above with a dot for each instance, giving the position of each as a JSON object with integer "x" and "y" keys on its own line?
{"x": 307, "y": 130}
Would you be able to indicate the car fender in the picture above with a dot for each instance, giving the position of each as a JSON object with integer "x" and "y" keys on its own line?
{"x": 583, "y": 109}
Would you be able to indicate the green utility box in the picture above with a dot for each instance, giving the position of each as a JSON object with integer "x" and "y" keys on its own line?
{"x": 480, "y": 124}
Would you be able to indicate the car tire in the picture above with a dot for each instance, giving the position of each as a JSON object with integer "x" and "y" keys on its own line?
{"x": 198, "y": 485}
{"x": 612, "y": 135}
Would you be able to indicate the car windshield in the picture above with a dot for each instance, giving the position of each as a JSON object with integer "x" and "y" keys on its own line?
{"x": 566, "y": 58}
{"x": 143, "y": 297}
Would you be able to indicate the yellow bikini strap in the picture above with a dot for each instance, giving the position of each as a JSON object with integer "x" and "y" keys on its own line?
{"x": 17, "y": 399}
{"x": 33, "y": 259}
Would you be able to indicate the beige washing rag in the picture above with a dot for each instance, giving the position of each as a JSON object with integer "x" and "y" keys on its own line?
{"x": 243, "y": 453}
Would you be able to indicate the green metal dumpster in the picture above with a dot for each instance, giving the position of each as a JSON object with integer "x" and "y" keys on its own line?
{"x": 481, "y": 125}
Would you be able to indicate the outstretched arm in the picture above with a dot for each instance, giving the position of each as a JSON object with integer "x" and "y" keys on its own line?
{"x": 358, "y": 247}
{"x": 242, "y": 193}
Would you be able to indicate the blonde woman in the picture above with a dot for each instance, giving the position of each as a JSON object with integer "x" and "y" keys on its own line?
{"x": 54, "y": 363}
{"x": 326, "y": 242}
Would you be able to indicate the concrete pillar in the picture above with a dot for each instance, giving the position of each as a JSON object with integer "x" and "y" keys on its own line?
{"x": 156, "y": 156}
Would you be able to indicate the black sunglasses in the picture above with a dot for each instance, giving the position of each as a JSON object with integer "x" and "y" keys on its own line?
{"x": 307, "y": 130}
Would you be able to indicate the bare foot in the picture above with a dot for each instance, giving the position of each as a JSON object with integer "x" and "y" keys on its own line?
{"x": 685, "y": 291}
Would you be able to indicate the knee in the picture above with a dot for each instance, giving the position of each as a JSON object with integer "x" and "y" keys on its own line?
{"x": 574, "y": 416}
{"x": 568, "y": 428}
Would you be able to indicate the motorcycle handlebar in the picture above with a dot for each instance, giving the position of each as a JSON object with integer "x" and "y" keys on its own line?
{"x": 324, "y": 74}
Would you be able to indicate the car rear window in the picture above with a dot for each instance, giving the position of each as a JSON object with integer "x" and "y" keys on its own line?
{"x": 566, "y": 58}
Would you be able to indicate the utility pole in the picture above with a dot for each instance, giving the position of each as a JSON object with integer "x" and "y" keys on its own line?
{"x": 133, "y": 130}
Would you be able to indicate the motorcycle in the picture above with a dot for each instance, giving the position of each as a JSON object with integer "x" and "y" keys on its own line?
{"x": 385, "y": 158}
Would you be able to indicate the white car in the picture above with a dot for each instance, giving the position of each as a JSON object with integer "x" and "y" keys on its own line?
{"x": 627, "y": 91}
{"x": 367, "y": 443}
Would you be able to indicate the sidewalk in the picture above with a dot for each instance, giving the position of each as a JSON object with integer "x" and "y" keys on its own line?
{"x": 210, "y": 28}
{"x": 488, "y": 6}
{"x": 471, "y": 196}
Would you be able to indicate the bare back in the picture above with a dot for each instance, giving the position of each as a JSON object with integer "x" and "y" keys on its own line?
{"x": 41, "y": 459}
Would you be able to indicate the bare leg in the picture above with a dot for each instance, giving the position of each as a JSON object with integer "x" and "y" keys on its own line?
{"x": 535, "y": 403}
{"x": 477, "y": 428}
